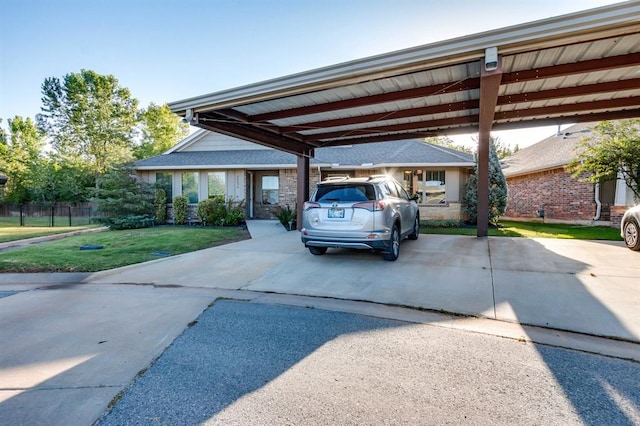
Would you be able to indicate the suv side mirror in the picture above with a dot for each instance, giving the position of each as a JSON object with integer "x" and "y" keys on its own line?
{"x": 415, "y": 197}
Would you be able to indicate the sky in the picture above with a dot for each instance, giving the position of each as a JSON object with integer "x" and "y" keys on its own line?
{"x": 168, "y": 50}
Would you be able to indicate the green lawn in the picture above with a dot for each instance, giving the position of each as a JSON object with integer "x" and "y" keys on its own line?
{"x": 534, "y": 230}
{"x": 120, "y": 248}
{"x": 13, "y": 231}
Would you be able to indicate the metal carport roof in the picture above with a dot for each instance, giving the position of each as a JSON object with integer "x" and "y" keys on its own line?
{"x": 580, "y": 67}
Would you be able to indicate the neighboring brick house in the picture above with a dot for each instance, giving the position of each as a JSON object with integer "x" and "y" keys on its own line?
{"x": 538, "y": 181}
{"x": 206, "y": 164}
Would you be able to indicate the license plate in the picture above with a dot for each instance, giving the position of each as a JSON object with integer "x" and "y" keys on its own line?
{"x": 336, "y": 213}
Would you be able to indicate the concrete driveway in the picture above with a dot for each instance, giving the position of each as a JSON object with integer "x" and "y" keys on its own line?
{"x": 587, "y": 287}
{"x": 70, "y": 343}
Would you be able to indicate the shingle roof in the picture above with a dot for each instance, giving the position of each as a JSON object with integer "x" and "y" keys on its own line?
{"x": 209, "y": 159}
{"x": 397, "y": 152}
{"x": 550, "y": 153}
{"x": 384, "y": 153}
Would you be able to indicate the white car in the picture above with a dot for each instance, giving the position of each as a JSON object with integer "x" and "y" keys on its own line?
{"x": 630, "y": 228}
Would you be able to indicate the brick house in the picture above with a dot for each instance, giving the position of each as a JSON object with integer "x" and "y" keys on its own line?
{"x": 539, "y": 183}
{"x": 206, "y": 164}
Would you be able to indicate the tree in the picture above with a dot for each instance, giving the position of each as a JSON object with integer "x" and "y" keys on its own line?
{"x": 89, "y": 116}
{"x": 161, "y": 129}
{"x": 503, "y": 150}
{"x": 4, "y": 154}
{"x": 3, "y": 136}
{"x": 21, "y": 158}
{"x": 4, "y": 148}
{"x": 497, "y": 189}
{"x": 448, "y": 143}
{"x": 62, "y": 179}
{"x": 121, "y": 192}
{"x": 125, "y": 200}
{"x": 613, "y": 148}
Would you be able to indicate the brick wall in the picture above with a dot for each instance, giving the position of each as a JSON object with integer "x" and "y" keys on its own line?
{"x": 562, "y": 196}
{"x": 449, "y": 211}
{"x": 616, "y": 215}
{"x": 289, "y": 186}
{"x": 265, "y": 211}
{"x": 287, "y": 193}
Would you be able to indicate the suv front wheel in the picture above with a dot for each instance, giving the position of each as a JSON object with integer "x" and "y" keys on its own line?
{"x": 394, "y": 246}
{"x": 416, "y": 229}
{"x": 632, "y": 235}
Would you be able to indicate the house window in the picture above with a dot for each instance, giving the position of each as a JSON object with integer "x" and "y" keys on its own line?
{"x": 270, "y": 187}
{"x": 165, "y": 181}
{"x": 428, "y": 184}
{"x": 217, "y": 182}
{"x": 190, "y": 186}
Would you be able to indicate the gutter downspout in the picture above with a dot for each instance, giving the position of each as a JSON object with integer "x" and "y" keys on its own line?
{"x": 596, "y": 198}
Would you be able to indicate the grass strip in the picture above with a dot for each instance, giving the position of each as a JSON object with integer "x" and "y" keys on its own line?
{"x": 532, "y": 230}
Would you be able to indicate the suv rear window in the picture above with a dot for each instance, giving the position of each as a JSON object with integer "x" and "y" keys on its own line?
{"x": 345, "y": 193}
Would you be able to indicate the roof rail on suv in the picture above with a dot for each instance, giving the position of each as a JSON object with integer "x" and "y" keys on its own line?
{"x": 335, "y": 178}
{"x": 372, "y": 177}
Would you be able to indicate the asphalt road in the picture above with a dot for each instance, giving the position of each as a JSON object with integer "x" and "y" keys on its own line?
{"x": 249, "y": 363}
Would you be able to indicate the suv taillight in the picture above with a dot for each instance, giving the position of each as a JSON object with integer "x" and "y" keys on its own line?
{"x": 308, "y": 205}
{"x": 372, "y": 206}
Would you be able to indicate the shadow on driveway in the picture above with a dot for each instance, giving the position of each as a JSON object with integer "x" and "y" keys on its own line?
{"x": 235, "y": 349}
{"x": 247, "y": 363}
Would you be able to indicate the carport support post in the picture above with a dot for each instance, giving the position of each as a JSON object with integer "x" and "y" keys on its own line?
{"x": 489, "y": 88}
{"x": 302, "y": 184}
{"x": 483, "y": 186}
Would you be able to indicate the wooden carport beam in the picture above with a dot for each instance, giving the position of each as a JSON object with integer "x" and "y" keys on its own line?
{"x": 489, "y": 88}
{"x": 211, "y": 121}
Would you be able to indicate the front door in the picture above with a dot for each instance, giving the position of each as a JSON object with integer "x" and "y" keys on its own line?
{"x": 265, "y": 194}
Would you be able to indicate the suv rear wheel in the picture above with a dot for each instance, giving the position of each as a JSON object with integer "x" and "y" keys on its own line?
{"x": 317, "y": 250}
{"x": 394, "y": 248}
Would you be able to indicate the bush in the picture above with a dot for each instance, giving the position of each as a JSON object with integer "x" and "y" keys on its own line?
{"x": 215, "y": 211}
{"x": 235, "y": 213}
{"x": 180, "y": 205}
{"x": 212, "y": 211}
{"x": 204, "y": 210}
{"x": 127, "y": 222}
{"x": 160, "y": 204}
{"x": 445, "y": 223}
{"x": 286, "y": 216}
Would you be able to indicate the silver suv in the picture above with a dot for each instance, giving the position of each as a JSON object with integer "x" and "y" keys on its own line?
{"x": 373, "y": 213}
